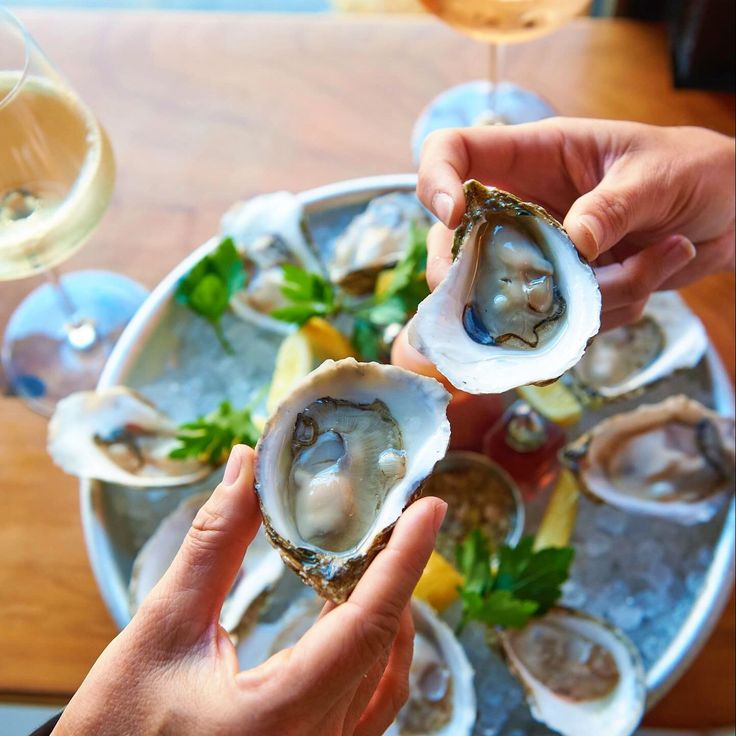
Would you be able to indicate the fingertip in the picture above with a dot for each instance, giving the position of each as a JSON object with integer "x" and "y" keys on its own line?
{"x": 584, "y": 231}
{"x": 420, "y": 522}
{"x": 439, "y": 254}
{"x": 439, "y": 512}
{"x": 443, "y": 165}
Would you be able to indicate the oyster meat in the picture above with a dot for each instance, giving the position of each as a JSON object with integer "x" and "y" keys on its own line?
{"x": 620, "y": 362}
{"x": 376, "y": 239}
{"x": 581, "y": 675}
{"x": 674, "y": 460}
{"x": 116, "y": 435}
{"x": 340, "y": 459}
{"x": 269, "y": 231}
{"x": 518, "y": 304}
{"x": 260, "y": 570}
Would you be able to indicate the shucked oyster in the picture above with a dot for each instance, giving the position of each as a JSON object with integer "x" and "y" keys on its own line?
{"x": 674, "y": 459}
{"x": 517, "y": 306}
{"x": 340, "y": 459}
{"x": 118, "y": 436}
{"x": 261, "y": 566}
{"x": 581, "y": 675}
{"x": 376, "y": 239}
{"x": 269, "y": 231}
{"x": 441, "y": 693}
{"x": 667, "y": 338}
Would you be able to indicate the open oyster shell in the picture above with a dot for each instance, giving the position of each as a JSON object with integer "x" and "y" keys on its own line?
{"x": 620, "y": 362}
{"x": 260, "y": 570}
{"x": 674, "y": 460}
{"x": 269, "y": 231}
{"x": 581, "y": 675}
{"x": 518, "y": 304}
{"x": 441, "y": 693}
{"x": 116, "y": 435}
{"x": 375, "y": 239}
{"x": 340, "y": 459}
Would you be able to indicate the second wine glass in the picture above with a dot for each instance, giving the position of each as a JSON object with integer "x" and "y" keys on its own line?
{"x": 492, "y": 100}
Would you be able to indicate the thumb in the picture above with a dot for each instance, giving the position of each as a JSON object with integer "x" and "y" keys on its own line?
{"x": 194, "y": 587}
{"x": 602, "y": 217}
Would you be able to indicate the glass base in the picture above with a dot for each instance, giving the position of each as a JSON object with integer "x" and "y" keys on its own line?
{"x": 45, "y": 361}
{"x": 469, "y": 104}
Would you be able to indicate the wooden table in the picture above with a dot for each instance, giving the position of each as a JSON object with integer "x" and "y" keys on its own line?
{"x": 205, "y": 109}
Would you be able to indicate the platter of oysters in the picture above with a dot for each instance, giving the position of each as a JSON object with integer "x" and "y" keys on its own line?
{"x": 278, "y": 332}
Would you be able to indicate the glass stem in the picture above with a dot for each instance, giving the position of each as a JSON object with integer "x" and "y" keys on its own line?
{"x": 496, "y": 56}
{"x": 81, "y": 333}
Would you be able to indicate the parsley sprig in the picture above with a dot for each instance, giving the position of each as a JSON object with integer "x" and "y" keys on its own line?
{"x": 209, "y": 286}
{"x": 310, "y": 295}
{"x": 508, "y": 588}
{"x": 211, "y": 437}
{"x": 398, "y": 301}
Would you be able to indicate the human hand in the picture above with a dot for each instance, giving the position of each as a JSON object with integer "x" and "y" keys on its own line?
{"x": 651, "y": 208}
{"x": 173, "y": 669}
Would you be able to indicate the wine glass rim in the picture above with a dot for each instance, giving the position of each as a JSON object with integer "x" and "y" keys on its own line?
{"x": 26, "y": 38}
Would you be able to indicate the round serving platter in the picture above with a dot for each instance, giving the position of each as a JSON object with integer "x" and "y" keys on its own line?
{"x": 663, "y": 584}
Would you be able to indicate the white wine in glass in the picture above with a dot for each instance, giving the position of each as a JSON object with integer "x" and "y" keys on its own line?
{"x": 56, "y": 175}
{"x": 495, "y": 22}
{"x": 56, "y": 179}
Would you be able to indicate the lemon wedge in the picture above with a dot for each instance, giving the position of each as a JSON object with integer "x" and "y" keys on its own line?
{"x": 301, "y": 352}
{"x": 439, "y": 582}
{"x": 558, "y": 521}
{"x": 383, "y": 281}
{"x": 555, "y": 402}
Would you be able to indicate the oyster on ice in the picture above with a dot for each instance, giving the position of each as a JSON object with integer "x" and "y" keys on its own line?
{"x": 260, "y": 570}
{"x": 441, "y": 692}
{"x": 116, "y": 435}
{"x": 340, "y": 459}
{"x": 581, "y": 675}
{"x": 376, "y": 239}
{"x": 269, "y": 231}
{"x": 518, "y": 304}
{"x": 620, "y": 362}
{"x": 674, "y": 459}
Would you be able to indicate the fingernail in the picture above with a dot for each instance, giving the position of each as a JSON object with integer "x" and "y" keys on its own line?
{"x": 440, "y": 510}
{"x": 442, "y": 206}
{"x": 592, "y": 227}
{"x": 681, "y": 249}
{"x": 232, "y": 469}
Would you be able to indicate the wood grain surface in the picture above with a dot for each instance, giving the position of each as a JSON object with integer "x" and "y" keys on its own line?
{"x": 205, "y": 109}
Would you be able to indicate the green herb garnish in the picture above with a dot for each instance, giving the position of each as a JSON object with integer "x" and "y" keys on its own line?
{"x": 408, "y": 285}
{"x": 310, "y": 294}
{"x": 211, "y": 437}
{"x": 208, "y": 287}
{"x": 397, "y": 303}
{"x": 509, "y": 588}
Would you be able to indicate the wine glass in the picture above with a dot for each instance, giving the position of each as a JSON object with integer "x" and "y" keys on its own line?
{"x": 492, "y": 101}
{"x": 56, "y": 179}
